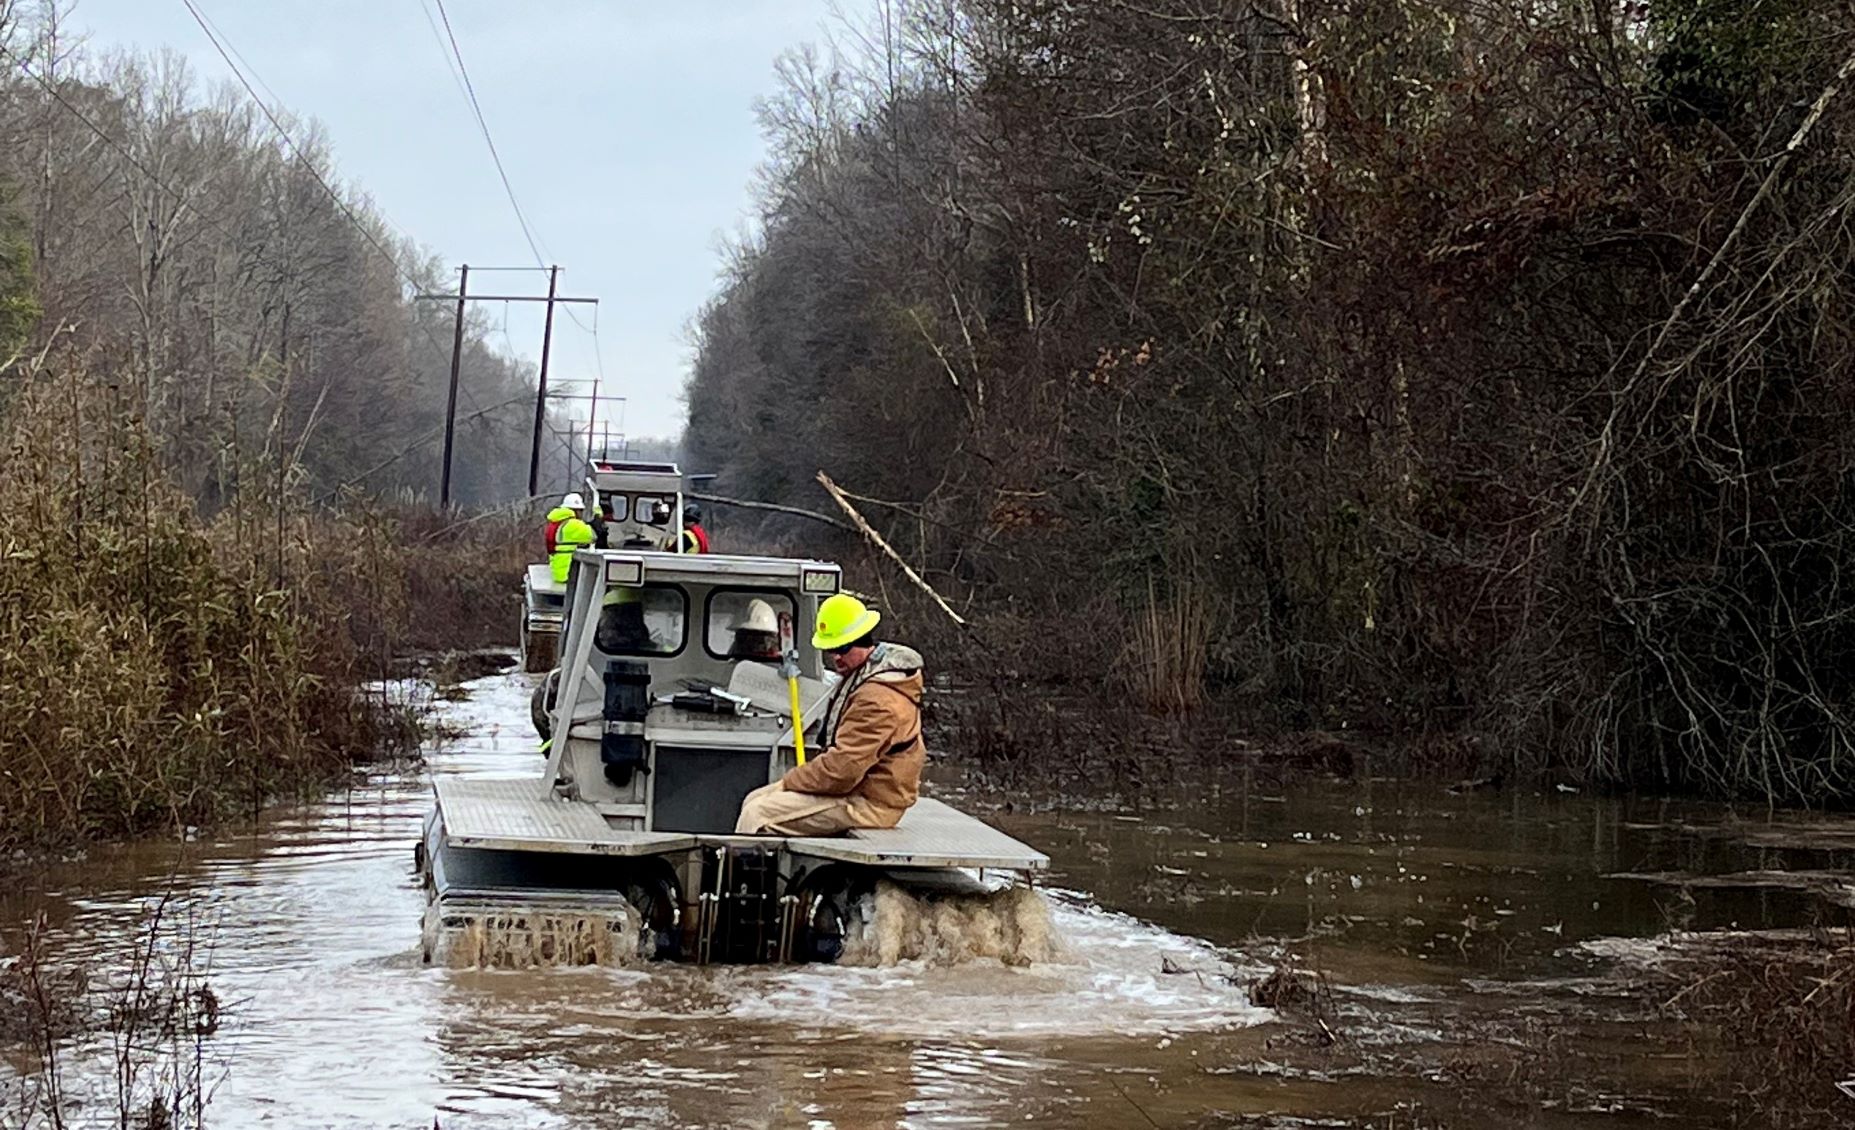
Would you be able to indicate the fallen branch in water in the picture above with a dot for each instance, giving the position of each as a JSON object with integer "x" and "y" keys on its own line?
{"x": 875, "y": 539}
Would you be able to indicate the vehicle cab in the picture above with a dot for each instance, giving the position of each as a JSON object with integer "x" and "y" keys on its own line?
{"x": 639, "y": 501}
{"x": 642, "y": 507}
{"x": 671, "y": 699}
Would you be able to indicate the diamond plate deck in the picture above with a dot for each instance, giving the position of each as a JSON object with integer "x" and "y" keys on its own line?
{"x": 518, "y": 816}
{"x": 930, "y": 835}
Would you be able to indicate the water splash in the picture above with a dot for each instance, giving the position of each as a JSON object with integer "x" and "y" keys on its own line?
{"x": 1108, "y": 974}
{"x": 893, "y": 925}
{"x": 502, "y": 938}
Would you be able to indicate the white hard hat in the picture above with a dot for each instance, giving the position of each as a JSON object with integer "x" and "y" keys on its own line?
{"x": 760, "y": 618}
{"x": 574, "y": 501}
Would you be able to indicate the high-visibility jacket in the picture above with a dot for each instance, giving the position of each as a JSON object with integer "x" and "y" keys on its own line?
{"x": 571, "y": 534}
{"x": 693, "y": 540}
{"x": 554, "y": 518}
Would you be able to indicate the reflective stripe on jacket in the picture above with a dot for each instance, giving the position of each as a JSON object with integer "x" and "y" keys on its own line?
{"x": 571, "y": 535}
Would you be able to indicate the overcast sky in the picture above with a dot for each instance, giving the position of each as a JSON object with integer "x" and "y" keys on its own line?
{"x": 626, "y": 126}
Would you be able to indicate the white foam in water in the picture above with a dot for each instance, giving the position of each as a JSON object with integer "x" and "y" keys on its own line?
{"x": 1100, "y": 974}
{"x": 893, "y": 925}
{"x": 528, "y": 939}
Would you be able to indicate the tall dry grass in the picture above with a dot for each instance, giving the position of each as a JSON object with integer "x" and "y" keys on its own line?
{"x": 1168, "y": 649}
{"x": 158, "y": 669}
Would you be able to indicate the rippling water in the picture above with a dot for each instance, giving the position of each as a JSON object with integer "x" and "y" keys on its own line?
{"x": 311, "y": 933}
{"x": 1448, "y": 926}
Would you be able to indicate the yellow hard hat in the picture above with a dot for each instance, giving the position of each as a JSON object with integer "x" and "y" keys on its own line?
{"x": 843, "y": 620}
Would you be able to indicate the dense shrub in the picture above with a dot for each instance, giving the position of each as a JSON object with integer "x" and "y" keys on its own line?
{"x": 158, "y": 669}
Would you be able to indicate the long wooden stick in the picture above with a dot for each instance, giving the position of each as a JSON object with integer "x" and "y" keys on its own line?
{"x": 772, "y": 506}
{"x": 1620, "y": 407}
{"x": 875, "y": 539}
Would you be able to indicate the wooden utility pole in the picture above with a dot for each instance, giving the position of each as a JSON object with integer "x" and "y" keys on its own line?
{"x": 457, "y": 353}
{"x": 547, "y": 339}
{"x": 450, "y": 404}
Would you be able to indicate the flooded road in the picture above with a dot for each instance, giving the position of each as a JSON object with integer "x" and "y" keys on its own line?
{"x": 1478, "y": 955}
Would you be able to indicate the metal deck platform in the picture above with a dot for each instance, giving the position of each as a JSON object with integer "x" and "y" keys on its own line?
{"x": 930, "y": 835}
{"x": 520, "y": 816}
{"x": 517, "y": 816}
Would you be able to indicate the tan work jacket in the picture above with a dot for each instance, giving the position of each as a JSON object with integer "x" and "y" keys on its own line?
{"x": 871, "y": 738}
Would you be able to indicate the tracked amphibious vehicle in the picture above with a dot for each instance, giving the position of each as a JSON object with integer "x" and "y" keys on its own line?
{"x": 667, "y": 708}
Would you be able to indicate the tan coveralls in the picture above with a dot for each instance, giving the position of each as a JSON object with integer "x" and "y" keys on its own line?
{"x": 870, "y": 770}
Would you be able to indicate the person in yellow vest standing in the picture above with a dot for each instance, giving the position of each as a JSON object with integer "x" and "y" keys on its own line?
{"x": 870, "y": 771}
{"x": 568, "y": 508}
{"x": 572, "y": 533}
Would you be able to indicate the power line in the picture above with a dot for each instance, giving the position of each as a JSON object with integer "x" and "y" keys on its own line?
{"x": 476, "y": 107}
{"x": 521, "y": 218}
{"x": 598, "y": 349}
{"x": 296, "y": 151}
{"x": 415, "y": 445}
{"x": 51, "y": 90}
{"x": 438, "y": 38}
{"x": 226, "y": 50}
{"x": 200, "y": 15}
{"x": 213, "y": 221}
{"x": 535, "y": 243}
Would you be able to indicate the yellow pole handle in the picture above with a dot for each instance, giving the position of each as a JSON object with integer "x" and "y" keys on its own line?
{"x": 798, "y": 723}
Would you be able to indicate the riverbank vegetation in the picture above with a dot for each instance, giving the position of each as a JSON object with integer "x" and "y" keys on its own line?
{"x": 159, "y": 669}
{"x": 219, "y": 417}
{"x": 1470, "y": 375}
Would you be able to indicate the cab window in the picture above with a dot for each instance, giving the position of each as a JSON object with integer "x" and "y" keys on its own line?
{"x": 736, "y": 629}
{"x": 650, "y": 621}
{"x": 644, "y": 508}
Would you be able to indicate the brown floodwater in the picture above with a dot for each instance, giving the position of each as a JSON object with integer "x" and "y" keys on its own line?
{"x": 1483, "y": 956}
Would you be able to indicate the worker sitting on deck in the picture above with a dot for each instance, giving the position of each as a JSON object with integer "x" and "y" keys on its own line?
{"x": 870, "y": 770}
{"x": 695, "y": 539}
{"x": 757, "y": 635}
{"x": 569, "y": 507}
{"x": 572, "y": 533}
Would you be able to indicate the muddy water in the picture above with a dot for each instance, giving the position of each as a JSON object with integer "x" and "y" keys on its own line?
{"x": 1477, "y": 948}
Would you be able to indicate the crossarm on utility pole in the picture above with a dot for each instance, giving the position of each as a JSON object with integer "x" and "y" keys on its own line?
{"x": 506, "y": 298}
{"x": 457, "y": 352}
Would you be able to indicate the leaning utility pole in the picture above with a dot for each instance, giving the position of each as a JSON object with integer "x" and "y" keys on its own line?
{"x": 547, "y": 338}
{"x": 457, "y": 353}
{"x": 450, "y": 404}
